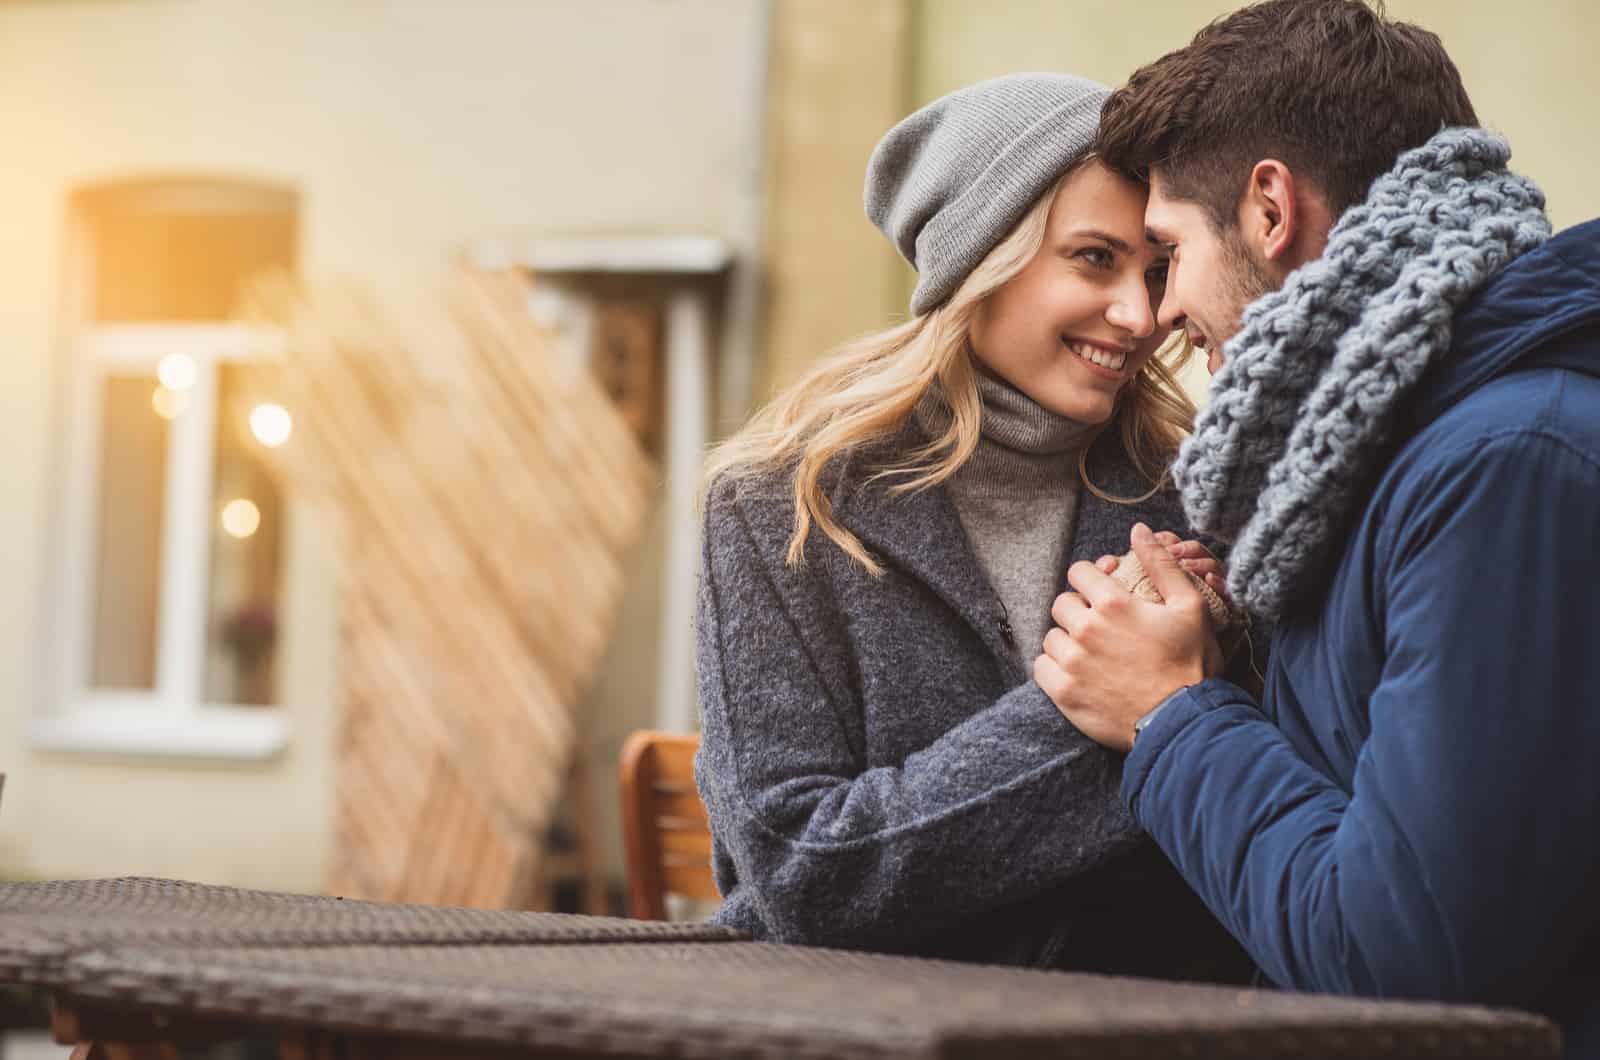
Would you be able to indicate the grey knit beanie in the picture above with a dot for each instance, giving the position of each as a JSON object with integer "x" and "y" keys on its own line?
{"x": 949, "y": 182}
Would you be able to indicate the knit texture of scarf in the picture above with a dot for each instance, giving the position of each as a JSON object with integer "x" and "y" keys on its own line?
{"x": 1302, "y": 407}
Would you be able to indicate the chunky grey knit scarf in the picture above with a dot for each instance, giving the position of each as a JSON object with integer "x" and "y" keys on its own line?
{"x": 1303, "y": 404}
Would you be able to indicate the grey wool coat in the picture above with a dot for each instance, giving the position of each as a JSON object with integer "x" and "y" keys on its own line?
{"x": 880, "y": 771}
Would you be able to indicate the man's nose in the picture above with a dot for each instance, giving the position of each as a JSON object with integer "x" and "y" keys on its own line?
{"x": 1171, "y": 316}
{"x": 1130, "y": 310}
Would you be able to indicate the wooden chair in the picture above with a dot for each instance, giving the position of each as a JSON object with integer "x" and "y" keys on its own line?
{"x": 664, "y": 823}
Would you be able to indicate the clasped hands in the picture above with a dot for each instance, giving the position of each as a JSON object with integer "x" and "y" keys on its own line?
{"x": 1113, "y": 657}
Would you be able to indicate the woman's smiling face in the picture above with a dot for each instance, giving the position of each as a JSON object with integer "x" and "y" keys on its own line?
{"x": 1078, "y": 322}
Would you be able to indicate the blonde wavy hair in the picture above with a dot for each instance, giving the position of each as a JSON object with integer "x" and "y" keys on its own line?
{"x": 865, "y": 390}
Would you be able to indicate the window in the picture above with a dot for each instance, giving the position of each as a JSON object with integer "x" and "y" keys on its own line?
{"x": 170, "y": 556}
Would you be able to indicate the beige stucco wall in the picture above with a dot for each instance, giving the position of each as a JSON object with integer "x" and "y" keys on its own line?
{"x": 410, "y": 129}
{"x": 1529, "y": 67}
{"x": 844, "y": 73}
{"x": 839, "y": 78}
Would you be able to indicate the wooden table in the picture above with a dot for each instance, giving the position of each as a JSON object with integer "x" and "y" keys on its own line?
{"x": 136, "y": 967}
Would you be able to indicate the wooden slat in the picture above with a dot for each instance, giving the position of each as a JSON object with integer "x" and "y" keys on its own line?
{"x": 691, "y": 881}
{"x": 636, "y": 777}
{"x": 672, "y": 757}
{"x": 457, "y": 444}
{"x": 685, "y": 847}
{"x": 677, "y": 803}
{"x": 664, "y": 823}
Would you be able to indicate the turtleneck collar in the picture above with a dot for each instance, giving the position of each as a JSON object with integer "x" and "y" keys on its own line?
{"x": 1009, "y": 419}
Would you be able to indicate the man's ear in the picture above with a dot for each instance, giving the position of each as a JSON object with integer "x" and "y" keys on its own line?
{"x": 1284, "y": 219}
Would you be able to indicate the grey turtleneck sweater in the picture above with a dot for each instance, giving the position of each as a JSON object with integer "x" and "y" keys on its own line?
{"x": 1017, "y": 500}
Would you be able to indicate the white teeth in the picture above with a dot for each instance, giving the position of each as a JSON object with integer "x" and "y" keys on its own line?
{"x": 1095, "y": 355}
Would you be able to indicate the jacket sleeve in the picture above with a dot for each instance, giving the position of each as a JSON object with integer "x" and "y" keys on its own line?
{"x": 1461, "y": 863}
{"x": 995, "y": 810}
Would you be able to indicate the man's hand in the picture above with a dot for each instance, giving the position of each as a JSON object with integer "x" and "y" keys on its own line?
{"x": 1113, "y": 658}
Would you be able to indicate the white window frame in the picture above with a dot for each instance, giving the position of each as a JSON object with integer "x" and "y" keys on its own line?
{"x": 171, "y": 719}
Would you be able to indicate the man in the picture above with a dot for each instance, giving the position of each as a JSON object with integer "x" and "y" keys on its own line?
{"x": 1403, "y": 447}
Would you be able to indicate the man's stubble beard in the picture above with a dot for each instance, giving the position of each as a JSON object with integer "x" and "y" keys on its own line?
{"x": 1244, "y": 279}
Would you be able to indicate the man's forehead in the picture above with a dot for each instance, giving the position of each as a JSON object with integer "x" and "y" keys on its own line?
{"x": 1158, "y": 220}
{"x": 1158, "y": 190}
{"x": 1162, "y": 215}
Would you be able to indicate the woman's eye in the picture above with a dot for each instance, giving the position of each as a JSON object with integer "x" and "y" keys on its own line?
{"x": 1096, "y": 256}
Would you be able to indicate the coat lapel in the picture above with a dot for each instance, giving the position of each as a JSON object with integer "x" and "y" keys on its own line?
{"x": 921, "y": 534}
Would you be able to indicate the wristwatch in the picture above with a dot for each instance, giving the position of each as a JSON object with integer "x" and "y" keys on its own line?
{"x": 1147, "y": 718}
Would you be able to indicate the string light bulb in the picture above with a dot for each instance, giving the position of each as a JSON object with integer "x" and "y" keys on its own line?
{"x": 177, "y": 371}
{"x": 271, "y": 424}
{"x": 168, "y": 404}
{"x": 241, "y": 517}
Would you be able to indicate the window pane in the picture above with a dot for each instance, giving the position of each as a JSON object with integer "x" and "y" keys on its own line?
{"x": 133, "y": 472}
{"x": 246, "y": 541}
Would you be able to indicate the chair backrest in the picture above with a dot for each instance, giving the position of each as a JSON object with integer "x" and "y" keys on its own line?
{"x": 664, "y": 823}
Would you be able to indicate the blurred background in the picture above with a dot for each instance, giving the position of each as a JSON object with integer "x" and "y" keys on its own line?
{"x": 676, "y": 183}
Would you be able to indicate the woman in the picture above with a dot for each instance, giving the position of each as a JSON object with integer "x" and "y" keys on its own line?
{"x": 882, "y": 547}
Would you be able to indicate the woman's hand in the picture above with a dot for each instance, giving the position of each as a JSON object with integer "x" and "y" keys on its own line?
{"x": 1192, "y": 556}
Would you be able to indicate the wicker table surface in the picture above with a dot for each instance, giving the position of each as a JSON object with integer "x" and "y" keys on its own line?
{"x": 184, "y": 954}
{"x": 747, "y": 999}
{"x": 43, "y": 924}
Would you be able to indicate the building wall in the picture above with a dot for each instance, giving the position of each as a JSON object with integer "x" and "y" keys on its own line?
{"x": 1528, "y": 68}
{"x": 410, "y": 129}
{"x": 839, "y": 79}
{"x": 1531, "y": 77}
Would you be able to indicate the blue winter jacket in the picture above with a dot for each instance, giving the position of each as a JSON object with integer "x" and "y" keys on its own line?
{"x": 1414, "y": 810}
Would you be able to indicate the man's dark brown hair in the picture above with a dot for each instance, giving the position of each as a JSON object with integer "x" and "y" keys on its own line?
{"x": 1332, "y": 88}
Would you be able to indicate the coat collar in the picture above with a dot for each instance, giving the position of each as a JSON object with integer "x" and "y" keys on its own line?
{"x": 1518, "y": 319}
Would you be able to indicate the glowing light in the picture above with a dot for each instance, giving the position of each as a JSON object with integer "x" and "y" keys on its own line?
{"x": 177, "y": 371}
{"x": 241, "y": 518}
{"x": 271, "y": 424}
{"x": 169, "y": 404}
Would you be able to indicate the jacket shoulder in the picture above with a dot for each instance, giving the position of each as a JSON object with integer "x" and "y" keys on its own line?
{"x": 1516, "y": 409}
